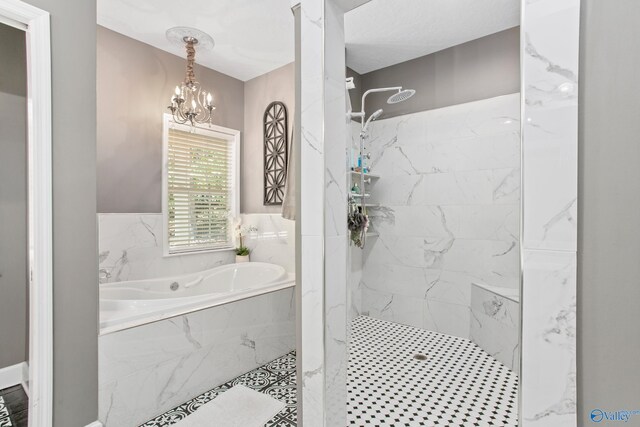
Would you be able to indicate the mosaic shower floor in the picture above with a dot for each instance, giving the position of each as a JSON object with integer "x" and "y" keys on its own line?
{"x": 455, "y": 384}
{"x": 458, "y": 384}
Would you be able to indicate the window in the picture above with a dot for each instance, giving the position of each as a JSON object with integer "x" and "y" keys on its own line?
{"x": 200, "y": 187}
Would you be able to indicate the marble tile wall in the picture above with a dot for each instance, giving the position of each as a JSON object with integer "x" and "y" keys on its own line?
{"x": 550, "y": 46}
{"x": 495, "y": 325}
{"x": 149, "y": 369}
{"x": 312, "y": 207}
{"x": 130, "y": 247}
{"x": 354, "y": 293}
{"x": 336, "y": 181}
{"x": 448, "y": 215}
{"x": 323, "y": 205}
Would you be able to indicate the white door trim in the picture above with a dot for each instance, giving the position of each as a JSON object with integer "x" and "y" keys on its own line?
{"x": 40, "y": 206}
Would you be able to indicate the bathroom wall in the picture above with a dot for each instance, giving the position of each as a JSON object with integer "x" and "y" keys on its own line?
{"x": 449, "y": 194}
{"x": 355, "y": 94}
{"x": 13, "y": 198}
{"x": 276, "y": 85}
{"x": 608, "y": 208}
{"x": 130, "y": 133}
{"x": 323, "y": 237}
{"x": 148, "y": 370}
{"x": 472, "y": 71}
{"x": 75, "y": 265}
{"x": 551, "y": 72}
{"x": 131, "y": 247}
{"x": 354, "y": 290}
{"x": 134, "y": 84}
{"x": 495, "y": 323}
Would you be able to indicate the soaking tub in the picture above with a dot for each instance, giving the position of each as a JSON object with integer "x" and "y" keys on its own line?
{"x": 132, "y": 303}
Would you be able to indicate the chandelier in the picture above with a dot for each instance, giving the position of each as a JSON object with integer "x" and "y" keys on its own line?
{"x": 189, "y": 102}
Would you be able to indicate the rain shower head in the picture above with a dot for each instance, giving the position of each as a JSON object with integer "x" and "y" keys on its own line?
{"x": 402, "y": 95}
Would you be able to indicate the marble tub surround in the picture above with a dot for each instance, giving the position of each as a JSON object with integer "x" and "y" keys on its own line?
{"x": 448, "y": 214}
{"x": 147, "y": 370}
{"x": 274, "y": 240}
{"x": 130, "y": 247}
{"x": 495, "y": 324}
{"x": 550, "y": 46}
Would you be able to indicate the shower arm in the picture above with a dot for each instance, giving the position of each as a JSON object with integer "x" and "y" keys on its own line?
{"x": 364, "y": 95}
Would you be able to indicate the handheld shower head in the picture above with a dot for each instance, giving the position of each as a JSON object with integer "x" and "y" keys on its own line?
{"x": 402, "y": 95}
{"x": 371, "y": 118}
{"x": 375, "y": 114}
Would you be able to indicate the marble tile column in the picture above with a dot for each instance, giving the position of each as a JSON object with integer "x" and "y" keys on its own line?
{"x": 323, "y": 210}
{"x": 550, "y": 41}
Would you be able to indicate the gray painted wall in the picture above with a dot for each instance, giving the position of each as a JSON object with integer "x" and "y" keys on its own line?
{"x": 277, "y": 85}
{"x": 355, "y": 94}
{"x": 609, "y": 209}
{"x": 13, "y": 198}
{"x": 135, "y": 81}
{"x": 479, "y": 69}
{"x": 75, "y": 261}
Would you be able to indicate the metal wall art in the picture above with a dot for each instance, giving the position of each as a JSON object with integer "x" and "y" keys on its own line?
{"x": 276, "y": 150}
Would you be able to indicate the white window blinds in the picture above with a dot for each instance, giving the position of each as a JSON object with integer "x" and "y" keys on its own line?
{"x": 200, "y": 190}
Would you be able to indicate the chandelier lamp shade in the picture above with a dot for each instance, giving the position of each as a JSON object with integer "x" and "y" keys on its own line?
{"x": 190, "y": 103}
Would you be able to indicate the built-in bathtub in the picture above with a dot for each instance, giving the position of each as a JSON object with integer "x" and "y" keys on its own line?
{"x": 133, "y": 303}
{"x": 164, "y": 341}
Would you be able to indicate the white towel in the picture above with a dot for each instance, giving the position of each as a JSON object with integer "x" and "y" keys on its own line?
{"x": 237, "y": 407}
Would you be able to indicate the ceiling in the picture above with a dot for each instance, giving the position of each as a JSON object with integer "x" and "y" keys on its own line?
{"x": 386, "y": 32}
{"x": 254, "y": 37}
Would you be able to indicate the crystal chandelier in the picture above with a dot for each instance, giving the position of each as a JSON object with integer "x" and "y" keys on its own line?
{"x": 189, "y": 102}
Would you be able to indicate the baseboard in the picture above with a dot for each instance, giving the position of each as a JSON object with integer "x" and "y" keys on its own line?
{"x": 13, "y": 375}
{"x": 25, "y": 378}
{"x": 95, "y": 424}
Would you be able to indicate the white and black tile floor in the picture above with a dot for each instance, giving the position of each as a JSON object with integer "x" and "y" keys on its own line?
{"x": 458, "y": 384}
{"x": 277, "y": 379}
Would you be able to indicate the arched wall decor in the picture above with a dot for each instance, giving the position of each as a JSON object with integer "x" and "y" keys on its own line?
{"x": 276, "y": 150}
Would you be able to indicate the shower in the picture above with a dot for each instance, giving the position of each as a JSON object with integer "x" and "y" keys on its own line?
{"x": 357, "y": 218}
{"x": 400, "y": 96}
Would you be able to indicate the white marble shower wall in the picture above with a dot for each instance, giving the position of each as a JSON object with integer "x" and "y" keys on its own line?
{"x": 449, "y": 194}
{"x": 495, "y": 324}
{"x": 130, "y": 246}
{"x": 550, "y": 46}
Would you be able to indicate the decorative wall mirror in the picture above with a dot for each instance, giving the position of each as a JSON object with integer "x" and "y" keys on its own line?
{"x": 276, "y": 147}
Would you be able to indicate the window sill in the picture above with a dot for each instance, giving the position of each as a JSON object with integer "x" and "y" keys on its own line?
{"x": 204, "y": 251}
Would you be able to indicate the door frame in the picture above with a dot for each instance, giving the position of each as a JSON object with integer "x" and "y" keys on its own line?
{"x": 36, "y": 24}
